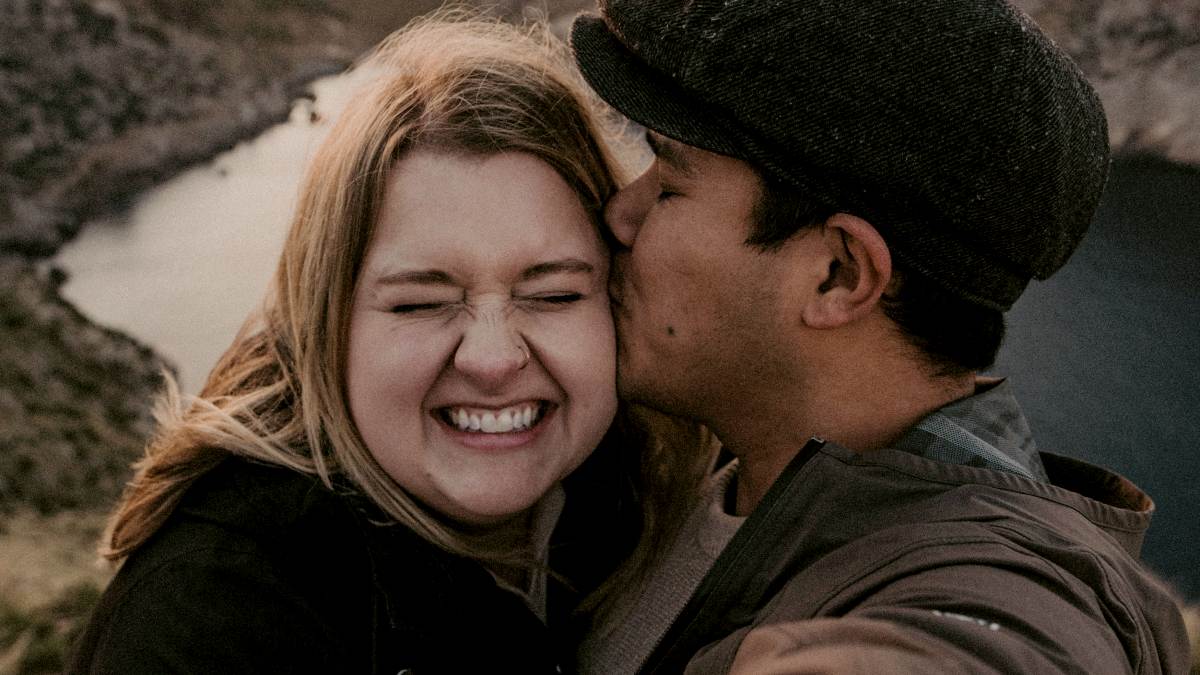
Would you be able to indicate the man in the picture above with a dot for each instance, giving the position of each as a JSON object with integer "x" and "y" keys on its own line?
{"x": 845, "y": 198}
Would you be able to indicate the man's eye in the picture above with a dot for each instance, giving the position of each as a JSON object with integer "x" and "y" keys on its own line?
{"x": 666, "y": 194}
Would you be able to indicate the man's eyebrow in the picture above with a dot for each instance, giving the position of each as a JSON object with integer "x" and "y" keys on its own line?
{"x": 671, "y": 153}
{"x": 419, "y": 277}
{"x": 567, "y": 266}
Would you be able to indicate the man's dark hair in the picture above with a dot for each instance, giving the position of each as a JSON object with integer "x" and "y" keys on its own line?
{"x": 953, "y": 334}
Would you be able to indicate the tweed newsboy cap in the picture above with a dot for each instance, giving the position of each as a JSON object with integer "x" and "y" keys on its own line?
{"x": 956, "y": 127}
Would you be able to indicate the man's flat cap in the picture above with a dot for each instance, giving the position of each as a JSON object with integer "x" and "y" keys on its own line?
{"x": 956, "y": 127}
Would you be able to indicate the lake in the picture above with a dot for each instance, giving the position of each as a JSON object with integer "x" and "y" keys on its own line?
{"x": 192, "y": 258}
{"x": 1105, "y": 355}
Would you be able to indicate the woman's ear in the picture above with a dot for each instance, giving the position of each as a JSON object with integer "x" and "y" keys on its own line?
{"x": 860, "y": 268}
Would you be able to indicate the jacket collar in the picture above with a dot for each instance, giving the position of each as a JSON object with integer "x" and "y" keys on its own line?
{"x": 987, "y": 430}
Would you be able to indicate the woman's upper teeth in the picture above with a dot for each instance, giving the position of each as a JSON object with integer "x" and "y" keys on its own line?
{"x": 512, "y": 418}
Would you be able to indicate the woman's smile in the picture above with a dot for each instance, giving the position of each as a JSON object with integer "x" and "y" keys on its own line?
{"x": 509, "y": 419}
{"x": 494, "y": 430}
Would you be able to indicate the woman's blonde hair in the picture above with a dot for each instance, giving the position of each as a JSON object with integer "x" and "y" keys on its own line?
{"x": 453, "y": 83}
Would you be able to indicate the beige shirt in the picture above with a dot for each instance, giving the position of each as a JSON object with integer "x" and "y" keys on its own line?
{"x": 541, "y": 523}
{"x": 624, "y": 638}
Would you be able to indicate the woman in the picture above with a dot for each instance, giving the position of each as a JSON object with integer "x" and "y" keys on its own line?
{"x": 369, "y": 479}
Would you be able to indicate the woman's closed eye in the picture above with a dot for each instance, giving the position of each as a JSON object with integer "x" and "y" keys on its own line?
{"x": 551, "y": 301}
{"x": 420, "y": 307}
{"x": 564, "y": 298}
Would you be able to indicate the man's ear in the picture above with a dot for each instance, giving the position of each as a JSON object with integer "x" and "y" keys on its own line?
{"x": 860, "y": 268}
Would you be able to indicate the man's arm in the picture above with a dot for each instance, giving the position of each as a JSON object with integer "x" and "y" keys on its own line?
{"x": 962, "y": 619}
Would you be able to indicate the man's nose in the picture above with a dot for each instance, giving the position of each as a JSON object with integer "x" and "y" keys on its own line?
{"x": 492, "y": 351}
{"x": 627, "y": 209}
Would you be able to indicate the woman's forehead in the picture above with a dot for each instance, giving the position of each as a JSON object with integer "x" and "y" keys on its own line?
{"x": 508, "y": 212}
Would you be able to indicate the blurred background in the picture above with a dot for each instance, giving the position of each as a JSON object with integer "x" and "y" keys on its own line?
{"x": 149, "y": 156}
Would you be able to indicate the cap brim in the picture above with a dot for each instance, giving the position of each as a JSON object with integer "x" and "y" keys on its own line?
{"x": 645, "y": 95}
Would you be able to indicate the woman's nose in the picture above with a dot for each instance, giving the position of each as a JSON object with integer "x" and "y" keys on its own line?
{"x": 627, "y": 209}
{"x": 491, "y": 352}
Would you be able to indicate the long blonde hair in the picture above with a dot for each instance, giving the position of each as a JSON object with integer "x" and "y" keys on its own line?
{"x": 449, "y": 82}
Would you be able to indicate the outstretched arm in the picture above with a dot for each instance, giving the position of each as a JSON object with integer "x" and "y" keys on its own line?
{"x": 962, "y": 619}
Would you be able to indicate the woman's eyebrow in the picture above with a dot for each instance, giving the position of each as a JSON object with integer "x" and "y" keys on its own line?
{"x": 566, "y": 266}
{"x": 431, "y": 277}
{"x": 436, "y": 277}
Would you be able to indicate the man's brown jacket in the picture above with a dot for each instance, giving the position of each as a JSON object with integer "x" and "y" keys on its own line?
{"x": 887, "y": 562}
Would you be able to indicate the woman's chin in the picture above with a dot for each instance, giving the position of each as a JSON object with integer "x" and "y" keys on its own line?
{"x": 483, "y": 512}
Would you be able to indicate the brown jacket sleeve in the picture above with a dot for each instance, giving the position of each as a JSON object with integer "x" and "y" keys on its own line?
{"x": 957, "y": 619}
{"x": 846, "y": 645}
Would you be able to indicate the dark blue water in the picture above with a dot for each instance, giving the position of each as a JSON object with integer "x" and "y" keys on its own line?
{"x": 1106, "y": 354}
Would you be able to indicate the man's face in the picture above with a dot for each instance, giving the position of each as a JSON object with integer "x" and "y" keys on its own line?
{"x": 696, "y": 309}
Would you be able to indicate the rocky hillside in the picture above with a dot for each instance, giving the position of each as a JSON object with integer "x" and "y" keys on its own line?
{"x": 108, "y": 97}
{"x": 65, "y": 397}
{"x": 1143, "y": 56}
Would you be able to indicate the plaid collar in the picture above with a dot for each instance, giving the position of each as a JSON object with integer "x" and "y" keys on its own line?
{"x": 987, "y": 430}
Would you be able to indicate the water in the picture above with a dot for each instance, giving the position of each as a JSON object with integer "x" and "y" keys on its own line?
{"x": 184, "y": 267}
{"x": 1105, "y": 358}
{"x": 1104, "y": 355}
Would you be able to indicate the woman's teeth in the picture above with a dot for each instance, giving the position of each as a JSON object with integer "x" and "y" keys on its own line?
{"x": 515, "y": 418}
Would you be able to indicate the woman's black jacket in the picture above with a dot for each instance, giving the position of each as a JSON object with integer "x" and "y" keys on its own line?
{"x": 265, "y": 570}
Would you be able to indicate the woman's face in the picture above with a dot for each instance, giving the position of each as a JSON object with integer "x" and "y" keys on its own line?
{"x": 481, "y": 367}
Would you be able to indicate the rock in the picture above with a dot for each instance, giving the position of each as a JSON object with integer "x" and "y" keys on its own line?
{"x": 74, "y": 397}
{"x": 1143, "y": 57}
{"x": 108, "y": 98}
